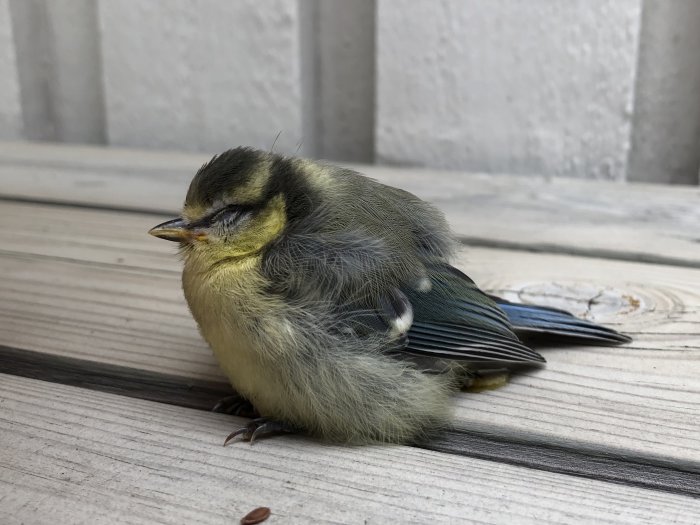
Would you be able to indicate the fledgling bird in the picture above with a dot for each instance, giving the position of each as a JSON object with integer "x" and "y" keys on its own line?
{"x": 330, "y": 302}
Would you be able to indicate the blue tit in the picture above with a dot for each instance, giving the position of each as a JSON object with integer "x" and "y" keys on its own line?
{"x": 330, "y": 303}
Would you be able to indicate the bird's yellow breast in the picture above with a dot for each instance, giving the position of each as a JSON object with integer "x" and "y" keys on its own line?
{"x": 235, "y": 317}
{"x": 226, "y": 293}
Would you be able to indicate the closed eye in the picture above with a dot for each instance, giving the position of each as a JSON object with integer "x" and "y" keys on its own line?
{"x": 229, "y": 216}
{"x": 227, "y": 213}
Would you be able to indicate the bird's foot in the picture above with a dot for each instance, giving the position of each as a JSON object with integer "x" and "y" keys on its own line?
{"x": 236, "y": 405}
{"x": 260, "y": 427}
{"x": 481, "y": 380}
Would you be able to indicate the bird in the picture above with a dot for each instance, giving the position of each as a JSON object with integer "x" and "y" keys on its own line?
{"x": 331, "y": 304}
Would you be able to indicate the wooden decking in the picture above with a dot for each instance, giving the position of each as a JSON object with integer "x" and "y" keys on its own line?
{"x": 106, "y": 383}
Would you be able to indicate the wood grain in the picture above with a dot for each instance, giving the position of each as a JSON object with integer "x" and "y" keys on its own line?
{"x": 183, "y": 391}
{"x": 75, "y": 456}
{"x": 623, "y": 397}
{"x": 90, "y": 284}
{"x": 630, "y": 222}
{"x": 99, "y": 302}
{"x": 107, "y": 238}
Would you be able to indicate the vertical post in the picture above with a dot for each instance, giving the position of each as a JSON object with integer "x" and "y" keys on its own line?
{"x": 666, "y": 131}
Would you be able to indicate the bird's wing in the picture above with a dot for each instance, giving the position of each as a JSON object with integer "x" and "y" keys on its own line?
{"x": 453, "y": 319}
{"x": 532, "y": 320}
{"x": 369, "y": 293}
{"x": 448, "y": 319}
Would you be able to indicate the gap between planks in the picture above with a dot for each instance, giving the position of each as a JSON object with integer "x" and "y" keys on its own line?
{"x": 507, "y": 448}
{"x": 71, "y": 455}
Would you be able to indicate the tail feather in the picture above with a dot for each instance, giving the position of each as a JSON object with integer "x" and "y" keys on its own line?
{"x": 541, "y": 320}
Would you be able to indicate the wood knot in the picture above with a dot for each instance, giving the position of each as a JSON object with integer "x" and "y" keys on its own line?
{"x": 585, "y": 300}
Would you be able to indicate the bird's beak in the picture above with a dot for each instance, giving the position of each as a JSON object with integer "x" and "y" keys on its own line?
{"x": 173, "y": 230}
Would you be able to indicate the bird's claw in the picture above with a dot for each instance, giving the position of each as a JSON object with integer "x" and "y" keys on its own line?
{"x": 236, "y": 405}
{"x": 259, "y": 427}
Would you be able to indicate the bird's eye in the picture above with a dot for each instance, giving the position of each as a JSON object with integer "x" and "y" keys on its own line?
{"x": 229, "y": 212}
{"x": 229, "y": 215}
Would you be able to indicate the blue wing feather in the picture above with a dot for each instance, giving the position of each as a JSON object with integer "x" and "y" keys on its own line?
{"x": 529, "y": 319}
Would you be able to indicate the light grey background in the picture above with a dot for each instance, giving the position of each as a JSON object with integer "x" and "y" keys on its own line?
{"x": 602, "y": 89}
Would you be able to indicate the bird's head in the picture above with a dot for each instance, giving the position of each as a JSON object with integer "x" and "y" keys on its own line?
{"x": 237, "y": 203}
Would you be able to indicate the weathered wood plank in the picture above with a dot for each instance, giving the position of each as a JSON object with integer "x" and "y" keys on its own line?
{"x": 72, "y": 455}
{"x": 184, "y": 391}
{"x": 91, "y": 284}
{"x": 631, "y": 222}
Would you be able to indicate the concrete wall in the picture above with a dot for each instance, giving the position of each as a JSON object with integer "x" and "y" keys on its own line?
{"x": 507, "y": 86}
{"x": 584, "y": 88}
{"x": 202, "y": 75}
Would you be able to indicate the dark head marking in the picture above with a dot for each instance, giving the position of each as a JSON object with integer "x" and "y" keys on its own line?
{"x": 223, "y": 174}
{"x": 249, "y": 177}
